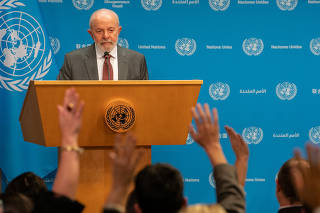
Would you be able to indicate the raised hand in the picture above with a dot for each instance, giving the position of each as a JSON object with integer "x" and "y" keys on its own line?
{"x": 207, "y": 134}
{"x": 125, "y": 159}
{"x": 309, "y": 193}
{"x": 70, "y": 119}
{"x": 70, "y": 115}
{"x": 241, "y": 150}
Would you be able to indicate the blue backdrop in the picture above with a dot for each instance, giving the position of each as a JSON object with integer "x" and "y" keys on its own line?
{"x": 259, "y": 60}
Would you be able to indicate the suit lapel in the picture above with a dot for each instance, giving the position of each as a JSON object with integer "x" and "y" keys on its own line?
{"x": 91, "y": 63}
{"x": 122, "y": 64}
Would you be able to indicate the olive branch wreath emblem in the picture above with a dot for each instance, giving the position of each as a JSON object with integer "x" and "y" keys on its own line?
{"x": 22, "y": 84}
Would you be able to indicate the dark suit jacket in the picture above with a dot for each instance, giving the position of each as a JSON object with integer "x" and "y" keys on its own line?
{"x": 230, "y": 194}
{"x": 81, "y": 64}
{"x": 293, "y": 209}
{"x": 49, "y": 202}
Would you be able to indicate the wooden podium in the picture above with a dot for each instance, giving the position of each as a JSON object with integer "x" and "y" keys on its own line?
{"x": 162, "y": 116}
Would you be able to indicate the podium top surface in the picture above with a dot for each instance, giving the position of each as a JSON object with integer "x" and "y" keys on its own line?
{"x": 119, "y": 82}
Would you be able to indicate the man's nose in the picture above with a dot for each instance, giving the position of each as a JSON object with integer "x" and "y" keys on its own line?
{"x": 105, "y": 34}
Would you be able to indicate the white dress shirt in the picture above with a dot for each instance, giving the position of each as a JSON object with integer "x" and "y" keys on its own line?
{"x": 113, "y": 61}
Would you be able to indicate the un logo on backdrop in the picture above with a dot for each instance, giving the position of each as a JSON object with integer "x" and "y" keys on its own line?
{"x": 211, "y": 180}
{"x": 315, "y": 46}
{"x": 189, "y": 140}
{"x": 252, "y": 46}
{"x": 287, "y": 4}
{"x": 123, "y": 42}
{"x": 82, "y": 4}
{"x": 314, "y": 134}
{"x": 186, "y": 46}
{"x": 22, "y": 51}
{"x": 55, "y": 44}
{"x": 286, "y": 90}
{"x": 219, "y": 91}
{"x": 151, "y": 4}
{"x": 252, "y": 135}
{"x": 219, "y": 5}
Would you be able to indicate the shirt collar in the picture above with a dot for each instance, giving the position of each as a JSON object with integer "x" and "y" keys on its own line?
{"x": 114, "y": 51}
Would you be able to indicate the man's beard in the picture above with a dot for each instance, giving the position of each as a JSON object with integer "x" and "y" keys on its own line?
{"x": 106, "y": 49}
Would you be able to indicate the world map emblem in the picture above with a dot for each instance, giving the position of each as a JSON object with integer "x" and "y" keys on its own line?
{"x": 120, "y": 116}
{"x": 286, "y": 90}
{"x": 287, "y": 5}
{"x": 185, "y": 46}
{"x": 189, "y": 140}
{"x": 22, "y": 51}
{"x": 123, "y": 42}
{"x": 219, "y": 5}
{"x": 219, "y": 91}
{"x": 252, "y": 46}
{"x": 212, "y": 182}
{"x": 314, "y": 135}
{"x": 82, "y": 4}
{"x": 252, "y": 135}
{"x": 151, "y": 4}
{"x": 315, "y": 46}
{"x": 55, "y": 44}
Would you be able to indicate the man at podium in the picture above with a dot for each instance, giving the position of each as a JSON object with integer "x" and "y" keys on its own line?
{"x": 104, "y": 60}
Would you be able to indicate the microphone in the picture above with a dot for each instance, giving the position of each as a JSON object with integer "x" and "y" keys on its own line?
{"x": 106, "y": 54}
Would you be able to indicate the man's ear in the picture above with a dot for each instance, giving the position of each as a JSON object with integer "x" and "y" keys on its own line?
{"x": 119, "y": 29}
{"x": 137, "y": 208}
{"x": 277, "y": 186}
{"x": 91, "y": 33}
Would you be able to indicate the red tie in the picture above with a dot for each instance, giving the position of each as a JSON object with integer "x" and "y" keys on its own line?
{"x": 107, "y": 68}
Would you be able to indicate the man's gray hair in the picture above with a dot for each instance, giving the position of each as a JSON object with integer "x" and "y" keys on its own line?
{"x": 105, "y": 11}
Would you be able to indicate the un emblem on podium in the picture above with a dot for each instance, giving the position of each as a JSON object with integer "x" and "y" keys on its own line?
{"x": 82, "y": 4}
{"x": 219, "y": 5}
{"x": 252, "y": 135}
{"x": 22, "y": 50}
{"x": 287, "y": 4}
{"x": 286, "y": 91}
{"x": 252, "y": 46}
{"x": 151, "y": 4}
{"x": 119, "y": 116}
{"x": 219, "y": 91}
{"x": 315, "y": 46}
{"x": 314, "y": 135}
